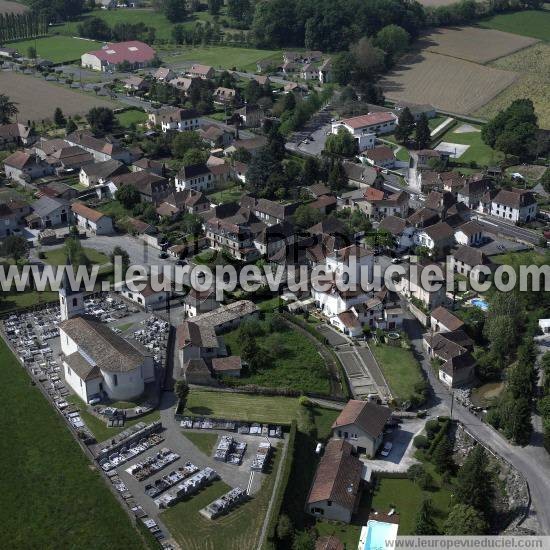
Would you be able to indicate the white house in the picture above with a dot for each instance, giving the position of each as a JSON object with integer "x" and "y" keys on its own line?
{"x": 175, "y": 120}
{"x": 99, "y": 172}
{"x": 148, "y": 298}
{"x": 24, "y": 167}
{"x": 443, "y": 320}
{"x": 411, "y": 286}
{"x": 469, "y": 234}
{"x": 516, "y": 205}
{"x": 197, "y": 177}
{"x": 401, "y": 230}
{"x": 436, "y": 237}
{"x": 49, "y": 212}
{"x": 197, "y": 302}
{"x": 92, "y": 220}
{"x": 365, "y": 128}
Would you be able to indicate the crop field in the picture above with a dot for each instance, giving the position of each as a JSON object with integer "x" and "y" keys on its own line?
{"x": 449, "y": 84}
{"x": 533, "y": 64}
{"x": 533, "y": 23}
{"x": 54, "y": 497}
{"x": 473, "y": 43}
{"x": 37, "y": 99}
{"x": 58, "y": 49}
{"x": 12, "y": 7}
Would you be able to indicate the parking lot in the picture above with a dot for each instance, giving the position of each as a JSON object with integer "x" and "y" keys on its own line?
{"x": 312, "y": 137}
{"x": 401, "y": 456}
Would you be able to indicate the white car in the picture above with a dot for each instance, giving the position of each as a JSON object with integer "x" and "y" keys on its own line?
{"x": 387, "y": 449}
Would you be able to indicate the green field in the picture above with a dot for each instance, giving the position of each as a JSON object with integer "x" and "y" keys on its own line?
{"x": 477, "y": 151}
{"x": 227, "y": 195}
{"x": 53, "y": 495}
{"x": 241, "y": 406}
{"x": 57, "y": 256}
{"x": 222, "y": 57}
{"x": 533, "y": 23}
{"x": 57, "y": 48}
{"x": 205, "y": 442}
{"x": 291, "y": 360}
{"x": 400, "y": 369}
{"x": 235, "y": 531}
{"x": 131, "y": 116}
{"x": 17, "y": 300}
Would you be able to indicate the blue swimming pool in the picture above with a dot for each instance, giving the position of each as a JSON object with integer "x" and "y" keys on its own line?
{"x": 480, "y": 303}
{"x": 376, "y": 534}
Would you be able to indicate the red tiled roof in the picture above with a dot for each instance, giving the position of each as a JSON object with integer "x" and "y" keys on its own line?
{"x": 86, "y": 212}
{"x": 370, "y": 417}
{"x": 132, "y": 51}
{"x": 368, "y": 120}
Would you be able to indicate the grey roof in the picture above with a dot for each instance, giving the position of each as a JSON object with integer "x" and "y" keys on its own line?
{"x": 81, "y": 367}
{"x": 44, "y": 206}
{"x": 471, "y": 256}
{"x": 360, "y": 172}
{"x": 109, "y": 351}
{"x": 102, "y": 169}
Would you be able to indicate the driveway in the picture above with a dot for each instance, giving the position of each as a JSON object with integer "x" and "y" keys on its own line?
{"x": 401, "y": 457}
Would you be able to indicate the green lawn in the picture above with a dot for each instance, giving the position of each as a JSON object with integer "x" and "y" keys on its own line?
{"x": 240, "y": 406}
{"x": 434, "y": 122}
{"x": 49, "y": 488}
{"x": 239, "y": 529}
{"x": 534, "y": 23}
{"x": 403, "y": 154}
{"x": 124, "y": 327}
{"x": 57, "y": 48}
{"x": 18, "y": 300}
{"x": 222, "y": 57}
{"x": 230, "y": 194}
{"x": 348, "y": 535}
{"x": 400, "y": 369}
{"x": 131, "y": 116}
{"x": 477, "y": 150}
{"x": 57, "y": 256}
{"x": 291, "y": 360}
{"x": 205, "y": 442}
{"x": 115, "y": 209}
{"x": 405, "y": 496}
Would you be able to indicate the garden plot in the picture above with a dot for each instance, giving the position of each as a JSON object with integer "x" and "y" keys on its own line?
{"x": 455, "y": 150}
{"x": 474, "y": 43}
{"x": 466, "y": 129}
{"x": 448, "y": 83}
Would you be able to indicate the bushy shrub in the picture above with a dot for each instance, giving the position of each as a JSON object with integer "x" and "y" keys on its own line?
{"x": 420, "y": 441}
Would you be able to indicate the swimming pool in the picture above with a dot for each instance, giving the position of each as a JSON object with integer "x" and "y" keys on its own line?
{"x": 480, "y": 303}
{"x": 376, "y": 534}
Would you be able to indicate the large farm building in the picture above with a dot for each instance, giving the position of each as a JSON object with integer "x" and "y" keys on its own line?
{"x": 111, "y": 56}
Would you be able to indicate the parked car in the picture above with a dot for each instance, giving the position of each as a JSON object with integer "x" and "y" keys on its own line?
{"x": 387, "y": 449}
{"x": 163, "y": 255}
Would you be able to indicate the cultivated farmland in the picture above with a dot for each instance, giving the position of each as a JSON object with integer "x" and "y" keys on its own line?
{"x": 448, "y": 83}
{"x": 37, "y": 99}
{"x": 474, "y": 44}
{"x": 533, "y": 64}
{"x": 12, "y": 7}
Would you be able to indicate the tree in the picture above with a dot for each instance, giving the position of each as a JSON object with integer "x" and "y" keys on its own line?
{"x": 513, "y": 131}
{"x": 284, "y": 528}
{"x": 422, "y": 132}
{"x": 74, "y": 253}
{"x": 123, "y": 255}
{"x": 250, "y": 350}
{"x": 31, "y": 52}
{"x": 59, "y": 118}
{"x": 475, "y": 486}
{"x": 128, "y": 195}
{"x": 181, "y": 389}
{"x": 443, "y": 456}
{"x": 545, "y": 180}
{"x": 101, "y": 120}
{"x": 342, "y": 144}
{"x": 344, "y": 64}
{"x": 214, "y": 6}
{"x": 303, "y": 540}
{"x": 369, "y": 60}
{"x": 405, "y": 126}
{"x": 185, "y": 141}
{"x": 194, "y": 156}
{"x": 71, "y": 127}
{"x": 305, "y": 216}
{"x": 464, "y": 520}
{"x": 310, "y": 171}
{"x": 8, "y": 109}
{"x": 337, "y": 177}
{"x": 175, "y": 10}
{"x": 424, "y": 523}
{"x": 240, "y": 10}
{"x": 394, "y": 40}
{"x": 15, "y": 247}
{"x": 94, "y": 28}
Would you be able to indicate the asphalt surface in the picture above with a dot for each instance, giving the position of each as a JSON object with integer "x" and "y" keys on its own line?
{"x": 533, "y": 461}
{"x": 508, "y": 229}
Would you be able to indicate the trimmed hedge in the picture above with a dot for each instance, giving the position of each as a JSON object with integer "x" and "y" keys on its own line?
{"x": 440, "y": 435}
{"x": 281, "y": 489}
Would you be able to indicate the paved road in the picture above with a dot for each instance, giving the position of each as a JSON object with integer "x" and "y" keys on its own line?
{"x": 532, "y": 461}
{"x": 496, "y": 224}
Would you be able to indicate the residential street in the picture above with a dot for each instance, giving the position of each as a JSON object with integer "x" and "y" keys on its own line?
{"x": 532, "y": 461}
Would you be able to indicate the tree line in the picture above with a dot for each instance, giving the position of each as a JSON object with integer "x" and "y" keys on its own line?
{"x": 19, "y": 26}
